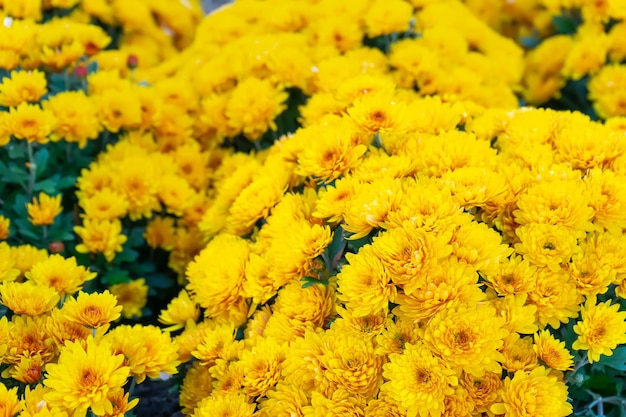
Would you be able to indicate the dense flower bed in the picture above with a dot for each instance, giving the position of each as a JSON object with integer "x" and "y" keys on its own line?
{"x": 336, "y": 208}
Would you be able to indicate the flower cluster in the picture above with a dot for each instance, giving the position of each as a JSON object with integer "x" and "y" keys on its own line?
{"x": 352, "y": 212}
{"x": 56, "y": 339}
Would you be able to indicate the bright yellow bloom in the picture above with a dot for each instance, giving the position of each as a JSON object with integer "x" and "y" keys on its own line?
{"x": 379, "y": 113}
{"x": 217, "y": 342}
{"x": 101, "y": 236}
{"x": 518, "y": 353}
{"x": 5, "y": 224}
{"x": 601, "y": 329}
{"x": 216, "y": 275}
{"x": 146, "y": 349}
{"x": 411, "y": 255}
{"x": 529, "y": 393}
{"x": 261, "y": 366}
{"x": 30, "y": 122}
{"x": 10, "y": 404}
{"x": 338, "y": 404}
{"x": 418, "y": 381}
{"x": 385, "y": 17}
{"x": 62, "y": 329}
{"x": 283, "y": 399}
{"x": 253, "y": 107}
{"x": 331, "y": 153}
{"x": 84, "y": 377}
{"x": 43, "y": 211}
{"x": 92, "y": 310}
{"x": 556, "y": 297}
{"x": 118, "y": 109}
{"x": 62, "y": 274}
{"x": 196, "y": 385}
{"x": 552, "y": 352}
{"x": 29, "y": 369}
{"x": 518, "y": 315}
{"x": 28, "y": 298}
{"x": 180, "y": 310}
{"x": 161, "y": 233}
{"x": 120, "y": 403}
{"x": 546, "y": 245}
{"x": 132, "y": 296}
{"x": 467, "y": 337}
{"x": 515, "y": 276}
{"x": 27, "y": 337}
{"x": 22, "y": 87}
{"x": 104, "y": 204}
{"x": 365, "y": 284}
{"x": 77, "y": 117}
{"x": 233, "y": 405}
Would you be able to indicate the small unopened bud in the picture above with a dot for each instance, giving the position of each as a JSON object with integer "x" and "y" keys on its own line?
{"x": 132, "y": 61}
{"x": 81, "y": 71}
{"x": 56, "y": 246}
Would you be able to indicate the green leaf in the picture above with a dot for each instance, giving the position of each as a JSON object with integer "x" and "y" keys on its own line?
{"x": 334, "y": 252}
{"x": 115, "y": 276}
{"x": 564, "y": 25}
{"x": 41, "y": 160}
{"x": 48, "y": 186}
{"x": 61, "y": 234}
{"x": 310, "y": 281}
{"x": 617, "y": 360}
{"x": 66, "y": 182}
{"x": 159, "y": 281}
{"x": 127, "y": 255}
{"x": 17, "y": 151}
{"x": 15, "y": 175}
{"x": 135, "y": 237}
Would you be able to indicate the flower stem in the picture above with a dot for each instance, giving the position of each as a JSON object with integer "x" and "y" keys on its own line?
{"x": 133, "y": 383}
{"x": 32, "y": 167}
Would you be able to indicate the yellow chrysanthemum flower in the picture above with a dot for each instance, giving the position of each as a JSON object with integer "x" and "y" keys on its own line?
{"x": 22, "y": 87}
{"x": 62, "y": 329}
{"x": 261, "y": 366}
{"x": 28, "y": 297}
{"x": 253, "y": 106}
{"x": 28, "y": 370}
{"x": 234, "y": 405}
{"x": 30, "y": 122}
{"x": 518, "y": 353}
{"x": 10, "y": 404}
{"x": 546, "y": 245}
{"x": 467, "y": 337}
{"x": 338, "y": 404}
{"x": 62, "y": 274}
{"x": 27, "y": 337}
{"x": 43, "y": 211}
{"x": 196, "y": 386}
{"x": 8, "y": 269}
{"x": 161, "y": 233}
{"x": 552, "y": 352}
{"x": 283, "y": 399}
{"x": 92, "y": 310}
{"x": 379, "y": 113}
{"x": 132, "y": 296}
{"x": 418, "y": 381}
{"x": 101, "y": 236}
{"x": 104, "y": 204}
{"x": 411, "y": 255}
{"x": 530, "y": 392}
{"x": 120, "y": 402}
{"x": 515, "y": 276}
{"x": 146, "y": 349}
{"x": 556, "y": 297}
{"x": 179, "y": 311}
{"x": 365, "y": 283}
{"x": 84, "y": 377}
{"x": 118, "y": 109}
{"x": 601, "y": 329}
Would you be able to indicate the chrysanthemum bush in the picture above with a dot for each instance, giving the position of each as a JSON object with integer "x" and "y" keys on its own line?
{"x": 354, "y": 214}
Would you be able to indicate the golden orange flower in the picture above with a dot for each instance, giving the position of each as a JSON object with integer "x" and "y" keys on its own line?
{"x": 132, "y": 296}
{"x": 92, "y": 310}
{"x": 22, "y": 87}
{"x": 101, "y": 236}
{"x": 84, "y": 377}
{"x": 28, "y": 297}
{"x": 601, "y": 329}
{"x": 64, "y": 275}
{"x": 30, "y": 122}
{"x": 530, "y": 391}
{"x": 418, "y": 381}
{"x": 44, "y": 210}
{"x": 552, "y": 352}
